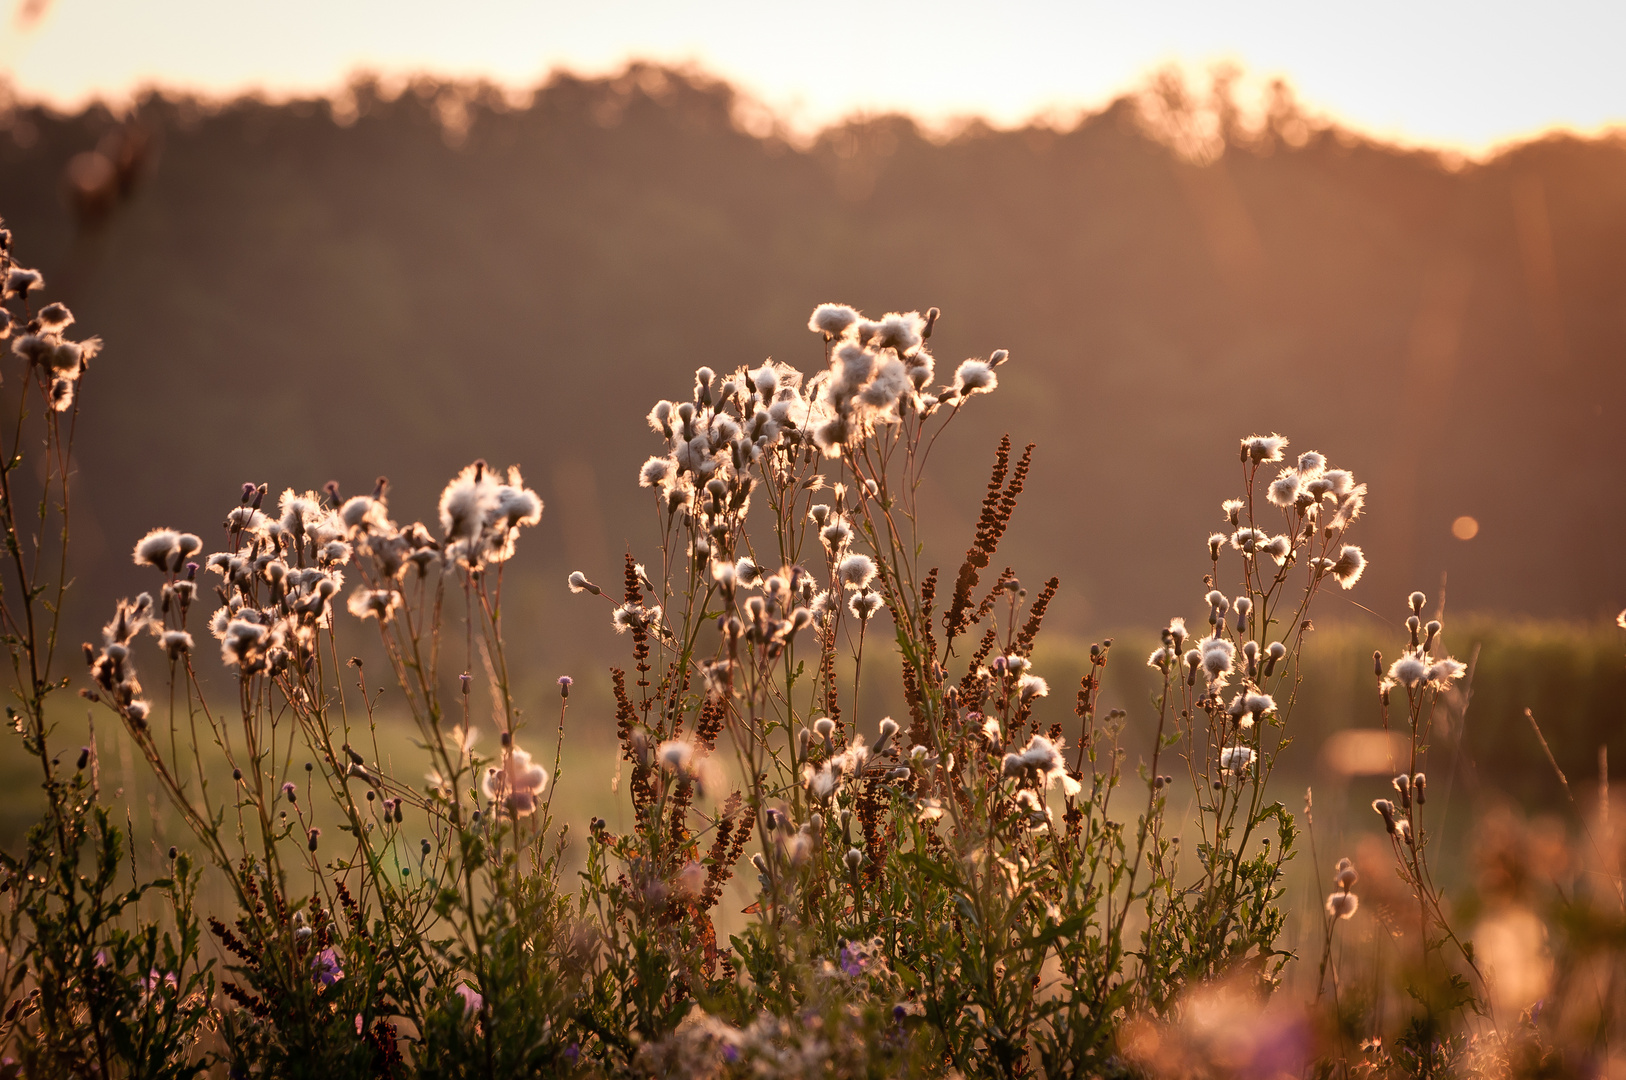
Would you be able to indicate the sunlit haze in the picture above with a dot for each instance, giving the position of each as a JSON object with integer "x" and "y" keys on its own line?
{"x": 1464, "y": 75}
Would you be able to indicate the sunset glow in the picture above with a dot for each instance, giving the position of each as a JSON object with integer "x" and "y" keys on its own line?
{"x": 1460, "y": 75}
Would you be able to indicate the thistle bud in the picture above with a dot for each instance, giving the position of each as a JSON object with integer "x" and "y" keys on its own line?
{"x": 1386, "y": 810}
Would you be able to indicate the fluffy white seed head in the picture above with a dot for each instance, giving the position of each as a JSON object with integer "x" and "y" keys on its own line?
{"x": 1342, "y": 905}
{"x": 832, "y": 320}
{"x": 856, "y": 571}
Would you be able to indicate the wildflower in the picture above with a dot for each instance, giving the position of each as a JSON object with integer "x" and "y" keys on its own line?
{"x": 821, "y": 783}
{"x": 290, "y": 792}
{"x": 903, "y": 333}
{"x": 1041, "y": 761}
{"x": 1249, "y": 707}
{"x": 1161, "y": 658}
{"x": 517, "y": 784}
{"x": 1232, "y": 509}
{"x": 362, "y": 513}
{"x": 854, "y": 365}
{"x": 1278, "y": 547}
{"x": 1175, "y": 634}
{"x": 1386, "y": 810}
{"x": 466, "y": 501}
{"x": 1344, "y": 875}
{"x": 864, "y": 605}
{"x": 157, "y": 548}
{"x": 1284, "y": 490}
{"x": 888, "y": 728}
{"x": 20, "y": 282}
{"x": 634, "y": 617}
{"x": 1347, "y": 568}
{"x": 657, "y": 472}
{"x": 1442, "y": 672}
{"x": 1215, "y": 542}
{"x": 890, "y": 383}
{"x": 1311, "y": 464}
{"x": 1217, "y": 657}
{"x": 325, "y": 968}
{"x": 974, "y": 377}
{"x": 472, "y": 1001}
{"x": 1029, "y": 687}
{"x": 1348, "y": 509}
{"x": 156, "y": 980}
{"x": 245, "y": 643}
{"x": 675, "y": 756}
{"x": 1262, "y": 449}
{"x": 1409, "y": 671}
{"x": 578, "y": 583}
{"x": 380, "y": 604}
{"x": 176, "y": 642}
{"x": 1342, "y": 905}
{"x": 832, "y": 320}
{"x": 1249, "y": 541}
{"x": 856, "y": 571}
{"x": 1236, "y": 759}
{"x": 1402, "y": 784}
{"x": 1034, "y": 808}
{"x": 517, "y": 504}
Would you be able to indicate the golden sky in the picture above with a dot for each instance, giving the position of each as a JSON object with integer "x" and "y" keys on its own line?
{"x": 1466, "y": 75}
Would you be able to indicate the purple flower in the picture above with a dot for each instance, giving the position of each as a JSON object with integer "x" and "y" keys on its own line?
{"x": 731, "y": 1053}
{"x": 155, "y": 979}
{"x": 472, "y": 1001}
{"x": 325, "y": 967}
{"x": 852, "y": 961}
{"x": 572, "y": 1052}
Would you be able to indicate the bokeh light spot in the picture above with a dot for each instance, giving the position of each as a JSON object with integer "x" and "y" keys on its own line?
{"x": 1465, "y": 528}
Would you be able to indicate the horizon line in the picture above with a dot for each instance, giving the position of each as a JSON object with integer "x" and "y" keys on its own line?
{"x": 757, "y": 116}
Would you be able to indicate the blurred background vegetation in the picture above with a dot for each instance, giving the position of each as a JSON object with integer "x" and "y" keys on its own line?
{"x": 399, "y": 283}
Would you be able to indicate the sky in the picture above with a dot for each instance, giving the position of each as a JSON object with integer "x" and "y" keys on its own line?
{"x": 1462, "y": 75}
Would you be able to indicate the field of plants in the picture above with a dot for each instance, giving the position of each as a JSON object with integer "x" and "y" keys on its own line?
{"x": 838, "y": 807}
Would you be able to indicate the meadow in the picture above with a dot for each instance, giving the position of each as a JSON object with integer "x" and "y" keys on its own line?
{"x": 837, "y": 806}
